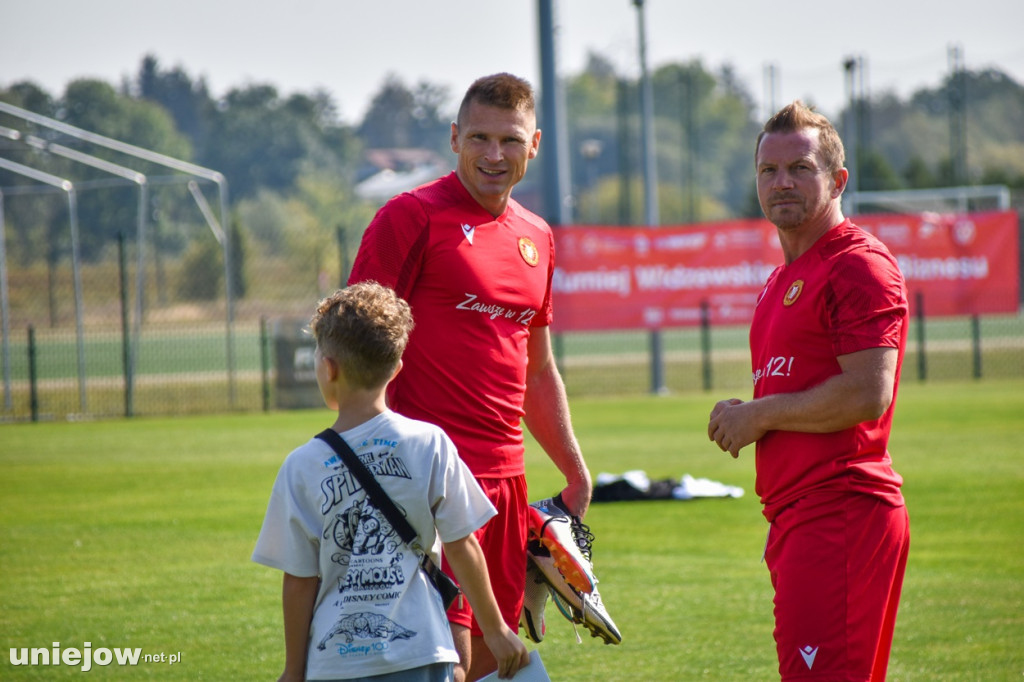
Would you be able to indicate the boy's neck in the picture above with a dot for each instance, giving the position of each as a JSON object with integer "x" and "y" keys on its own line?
{"x": 357, "y": 410}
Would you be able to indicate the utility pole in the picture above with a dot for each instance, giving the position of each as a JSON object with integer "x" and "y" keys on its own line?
{"x": 623, "y": 99}
{"x": 555, "y": 157}
{"x": 957, "y": 116}
{"x": 650, "y": 188}
{"x": 647, "y": 124}
{"x": 770, "y": 90}
{"x": 851, "y": 139}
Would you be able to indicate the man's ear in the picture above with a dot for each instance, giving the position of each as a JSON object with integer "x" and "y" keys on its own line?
{"x": 839, "y": 180}
{"x": 535, "y": 143}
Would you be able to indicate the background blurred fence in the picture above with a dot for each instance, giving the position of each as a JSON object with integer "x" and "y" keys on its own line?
{"x": 186, "y": 357}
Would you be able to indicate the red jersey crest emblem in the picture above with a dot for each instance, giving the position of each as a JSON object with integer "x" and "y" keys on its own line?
{"x": 793, "y": 293}
{"x": 528, "y": 250}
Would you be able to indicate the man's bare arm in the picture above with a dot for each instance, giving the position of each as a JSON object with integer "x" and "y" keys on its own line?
{"x": 547, "y": 418}
{"x": 861, "y": 392}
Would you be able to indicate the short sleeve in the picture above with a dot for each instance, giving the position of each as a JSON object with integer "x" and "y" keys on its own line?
{"x": 393, "y": 245}
{"x": 459, "y": 504}
{"x": 290, "y": 537}
{"x": 869, "y": 304}
{"x": 547, "y": 315}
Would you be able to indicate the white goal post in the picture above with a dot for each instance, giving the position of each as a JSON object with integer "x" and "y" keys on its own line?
{"x": 937, "y": 200}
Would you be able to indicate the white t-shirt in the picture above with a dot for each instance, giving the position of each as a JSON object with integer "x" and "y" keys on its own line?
{"x": 375, "y": 612}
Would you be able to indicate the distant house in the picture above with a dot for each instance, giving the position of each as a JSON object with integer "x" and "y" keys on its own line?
{"x": 388, "y": 172}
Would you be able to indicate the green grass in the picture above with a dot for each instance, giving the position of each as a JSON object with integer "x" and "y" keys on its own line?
{"x": 137, "y": 533}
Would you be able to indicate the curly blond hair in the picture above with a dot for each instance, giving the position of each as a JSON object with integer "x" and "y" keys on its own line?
{"x": 364, "y": 328}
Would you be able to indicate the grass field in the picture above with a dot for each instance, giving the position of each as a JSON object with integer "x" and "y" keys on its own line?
{"x": 137, "y": 534}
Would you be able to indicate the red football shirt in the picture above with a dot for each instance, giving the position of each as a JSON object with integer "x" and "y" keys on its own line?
{"x": 476, "y": 284}
{"x": 844, "y": 295}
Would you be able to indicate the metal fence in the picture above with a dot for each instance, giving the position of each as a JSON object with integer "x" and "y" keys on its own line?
{"x": 184, "y": 355}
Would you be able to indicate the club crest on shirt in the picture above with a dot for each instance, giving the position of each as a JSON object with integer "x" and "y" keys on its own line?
{"x": 793, "y": 293}
{"x": 528, "y": 250}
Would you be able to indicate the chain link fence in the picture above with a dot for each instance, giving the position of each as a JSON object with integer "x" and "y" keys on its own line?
{"x": 123, "y": 335}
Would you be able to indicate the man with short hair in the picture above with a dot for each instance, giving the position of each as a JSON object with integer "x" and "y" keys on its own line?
{"x": 476, "y": 267}
{"x": 827, "y": 342}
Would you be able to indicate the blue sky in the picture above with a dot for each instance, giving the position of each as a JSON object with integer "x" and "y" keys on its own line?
{"x": 347, "y": 48}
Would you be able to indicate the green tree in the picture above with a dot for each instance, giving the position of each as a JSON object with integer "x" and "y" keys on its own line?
{"x": 202, "y": 271}
{"x": 97, "y": 107}
{"x": 918, "y": 175}
{"x": 703, "y": 130}
{"x": 259, "y": 140}
{"x": 875, "y": 172}
{"x": 29, "y": 95}
{"x": 400, "y": 116}
{"x": 187, "y": 101}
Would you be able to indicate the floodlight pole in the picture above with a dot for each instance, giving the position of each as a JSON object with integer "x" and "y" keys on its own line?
{"x": 169, "y": 162}
{"x": 852, "y": 141}
{"x": 69, "y": 189}
{"x": 555, "y": 158}
{"x": 647, "y": 120}
{"x": 650, "y": 183}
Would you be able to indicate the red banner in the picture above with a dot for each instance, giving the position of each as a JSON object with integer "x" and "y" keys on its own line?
{"x": 649, "y": 278}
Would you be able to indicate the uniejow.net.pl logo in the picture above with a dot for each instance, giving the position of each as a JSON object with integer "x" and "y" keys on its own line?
{"x": 85, "y": 658}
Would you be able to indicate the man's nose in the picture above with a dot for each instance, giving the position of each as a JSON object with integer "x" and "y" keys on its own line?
{"x": 493, "y": 152}
{"x": 782, "y": 180}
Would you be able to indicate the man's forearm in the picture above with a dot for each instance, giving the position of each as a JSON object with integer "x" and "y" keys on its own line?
{"x": 547, "y": 418}
{"x": 862, "y": 392}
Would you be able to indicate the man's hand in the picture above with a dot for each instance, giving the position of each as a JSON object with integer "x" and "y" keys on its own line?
{"x": 732, "y": 426}
{"x": 861, "y": 392}
{"x": 576, "y": 496}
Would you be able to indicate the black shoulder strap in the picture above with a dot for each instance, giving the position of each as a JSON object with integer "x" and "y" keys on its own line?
{"x": 370, "y": 485}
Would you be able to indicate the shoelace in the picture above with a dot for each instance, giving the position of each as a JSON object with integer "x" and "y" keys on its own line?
{"x": 584, "y": 538}
{"x": 581, "y": 533}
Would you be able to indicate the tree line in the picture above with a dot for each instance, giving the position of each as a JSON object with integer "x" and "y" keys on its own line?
{"x": 291, "y": 160}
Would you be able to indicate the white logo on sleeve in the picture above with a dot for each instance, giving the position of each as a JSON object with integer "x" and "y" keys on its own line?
{"x": 468, "y": 231}
{"x": 809, "y": 654}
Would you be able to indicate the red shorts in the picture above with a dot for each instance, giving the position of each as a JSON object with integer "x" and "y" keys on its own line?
{"x": 503, "y": 540}
{"x": 837, "y": 562}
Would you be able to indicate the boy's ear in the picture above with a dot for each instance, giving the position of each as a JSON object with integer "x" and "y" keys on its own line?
{"x": 394, "y": 372}
{"x": 332, "y": 367}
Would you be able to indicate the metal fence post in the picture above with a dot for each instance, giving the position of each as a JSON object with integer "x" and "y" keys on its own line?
{"x": 264, "y": 363}
{"x": 657, "y": 364}
{"x": 922, "y": 360}
{"x": 976, "y": 344}
{"x": 705, "y": 343}
{"x": 126, "y": 354}
{"x": 33, "y": 384}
